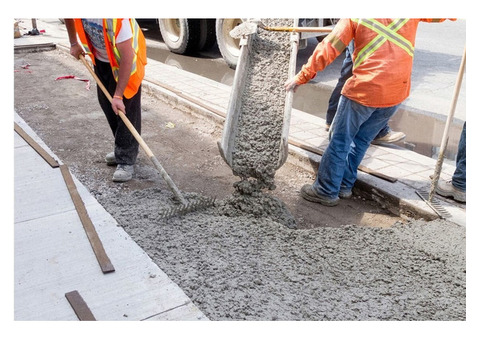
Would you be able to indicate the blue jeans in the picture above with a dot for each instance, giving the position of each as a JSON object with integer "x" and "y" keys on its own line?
{"x": 345, "y": 73}
{"x": 356, "y": 126}
{"x": 459, "y": 178}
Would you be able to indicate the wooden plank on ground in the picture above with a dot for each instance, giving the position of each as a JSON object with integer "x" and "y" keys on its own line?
{"x": 34, "y": 48}
{"x": 79, "y": 306}
{"x": 41, "y": 151}
{"x": 97, "y": 246}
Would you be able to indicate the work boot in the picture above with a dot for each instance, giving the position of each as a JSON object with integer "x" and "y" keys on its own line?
{"x": 447, "y": 189}
{"x": 110, "y": 158}
{"x": 123, "y": 173}
{"x": 390, "y": 137}
{"x": 308, "y": 193}
{"x": 345, "y": 193}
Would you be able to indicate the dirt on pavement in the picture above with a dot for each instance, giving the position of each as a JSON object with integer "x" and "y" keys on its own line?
{"x": 354, "y": 261}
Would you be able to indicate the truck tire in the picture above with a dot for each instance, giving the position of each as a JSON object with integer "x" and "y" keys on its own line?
{"x": 228, "y": 46}
{"x": 180, "y": 35}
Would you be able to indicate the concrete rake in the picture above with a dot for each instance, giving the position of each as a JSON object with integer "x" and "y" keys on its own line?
{"x": 184, "y": 207}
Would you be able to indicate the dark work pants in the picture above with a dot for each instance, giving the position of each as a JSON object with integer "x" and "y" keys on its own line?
{"x": 345, "y": 73}
{"x": 126, "y": 146}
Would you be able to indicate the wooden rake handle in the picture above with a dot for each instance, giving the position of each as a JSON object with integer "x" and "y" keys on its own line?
{"x": 120, "y": 113}
{"x": 137, "y": 136}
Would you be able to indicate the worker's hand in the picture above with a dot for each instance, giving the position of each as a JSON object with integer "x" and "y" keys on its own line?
{"x": 291, "y": 85}
{"x": 117, "y": 104}
{"x": 76, "y": 50}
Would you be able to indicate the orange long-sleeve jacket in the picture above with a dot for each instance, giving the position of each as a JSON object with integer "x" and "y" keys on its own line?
{"x": 383, "y": 58}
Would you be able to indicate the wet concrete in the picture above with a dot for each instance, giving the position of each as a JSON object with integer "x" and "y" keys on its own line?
{"x": 424, "y": 129}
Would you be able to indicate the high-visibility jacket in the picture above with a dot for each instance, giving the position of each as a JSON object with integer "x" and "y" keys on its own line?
{"x": 111, "y": 28}
{"x": 383, "y": 58}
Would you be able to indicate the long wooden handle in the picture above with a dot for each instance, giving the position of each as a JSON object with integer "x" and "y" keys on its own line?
{"x": 120, "y": 113}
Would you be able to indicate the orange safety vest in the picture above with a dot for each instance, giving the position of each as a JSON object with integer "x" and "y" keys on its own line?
{"x": 383, "y": 58}
{"x": 111, "y": 28}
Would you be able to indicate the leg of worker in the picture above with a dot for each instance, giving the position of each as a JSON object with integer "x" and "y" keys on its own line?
{"x": 126, "y": 146}
{"x": 332, "y": 165}
{"x": 459, "y": 178}
{"x": 383, "y": 132}
{"x": 366, "y": 133}
{"x": 345, "y": 73}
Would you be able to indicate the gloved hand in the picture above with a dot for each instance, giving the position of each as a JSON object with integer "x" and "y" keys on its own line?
{"x": 291, "y": 85}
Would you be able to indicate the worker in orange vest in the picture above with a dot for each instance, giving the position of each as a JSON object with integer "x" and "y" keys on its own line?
{"x": 118, "y": 51}
{"x": 382, "y": 67}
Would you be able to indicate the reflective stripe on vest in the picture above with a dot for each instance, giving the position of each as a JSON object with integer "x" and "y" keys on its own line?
{"x": 336, "y": 42}
{"x": 111, "y": 29}
{"x": 385, "y": 33}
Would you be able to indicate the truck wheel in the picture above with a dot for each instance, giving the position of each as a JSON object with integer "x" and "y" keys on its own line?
{"x": 180, "y": 35}
{"x": 228, "y": 46}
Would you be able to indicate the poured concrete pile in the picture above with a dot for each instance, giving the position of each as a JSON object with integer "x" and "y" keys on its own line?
{"x": 246, "y": 268}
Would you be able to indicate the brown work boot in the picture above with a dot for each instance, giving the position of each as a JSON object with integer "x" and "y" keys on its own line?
{"x": 309, "y": 194}
{"x": 447, "y": 189}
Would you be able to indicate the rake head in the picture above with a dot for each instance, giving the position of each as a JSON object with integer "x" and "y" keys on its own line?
{"x": 183, "y": 209}
{"x": 434, "y": 204}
